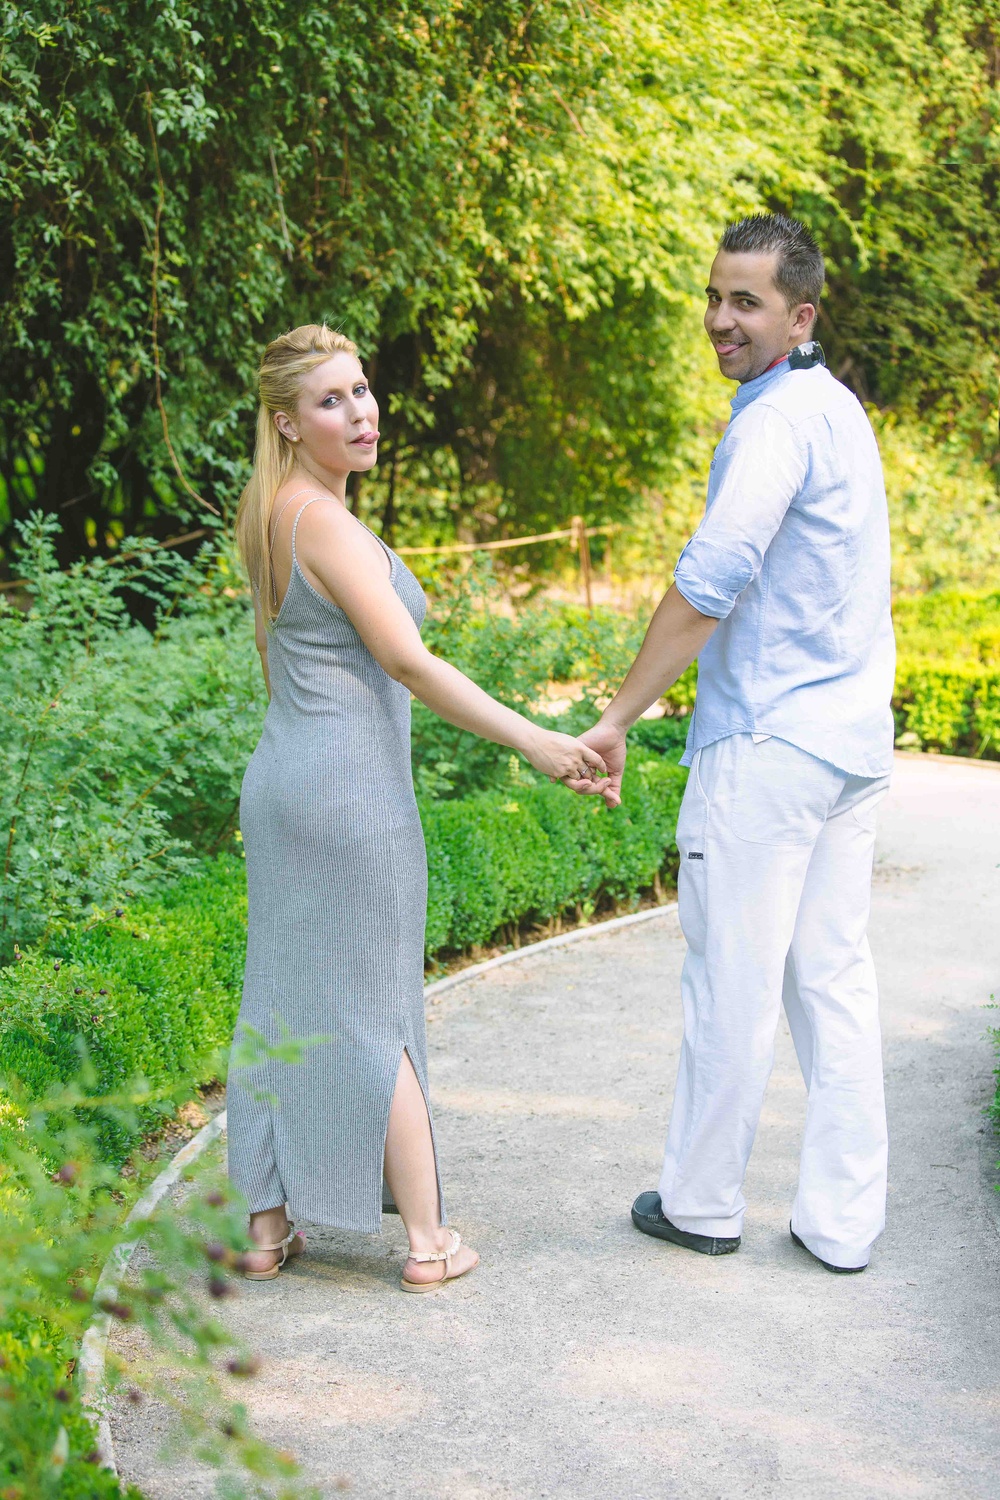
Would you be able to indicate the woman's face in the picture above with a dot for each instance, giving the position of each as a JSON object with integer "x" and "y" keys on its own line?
{"x": 336, "y": 424}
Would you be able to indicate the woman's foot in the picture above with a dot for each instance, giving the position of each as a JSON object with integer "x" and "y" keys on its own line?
{"x": 266, "y": 1260}
{"x": 451, "y": 1261}
{"x": 270, "y": 1228}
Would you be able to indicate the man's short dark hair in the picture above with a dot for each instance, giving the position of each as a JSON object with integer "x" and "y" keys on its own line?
{"x": 800, "y": 274}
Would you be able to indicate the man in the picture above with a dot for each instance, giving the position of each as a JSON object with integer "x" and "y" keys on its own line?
{"x": 783, "y": 595}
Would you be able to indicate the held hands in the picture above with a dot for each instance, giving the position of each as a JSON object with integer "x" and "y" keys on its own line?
{"x": 609, "y": 741}
{"x": 574, "y": 762}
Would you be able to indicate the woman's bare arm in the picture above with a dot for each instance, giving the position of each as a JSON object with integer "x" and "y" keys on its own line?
{"x": 339, "y": 554}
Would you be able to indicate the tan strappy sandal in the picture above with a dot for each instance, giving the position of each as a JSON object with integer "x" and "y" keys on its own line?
{"x": 446, "y": 1275}
{"x": 283, "y": 1246}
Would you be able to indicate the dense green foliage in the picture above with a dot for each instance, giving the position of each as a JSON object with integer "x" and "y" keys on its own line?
{"x": 943, "y": 511}
{"x": 123, "y": 747}
{"x": 512, "y": 208}
{"x": 948, "y": 673}
{"x": 152, "y": 992}
{"x": 527, "y": 851}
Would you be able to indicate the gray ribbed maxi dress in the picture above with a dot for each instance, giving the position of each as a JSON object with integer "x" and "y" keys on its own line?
{"x": 337, "y": 882}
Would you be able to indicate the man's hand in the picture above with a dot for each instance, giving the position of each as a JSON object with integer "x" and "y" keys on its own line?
{"x": 609, "y": 742}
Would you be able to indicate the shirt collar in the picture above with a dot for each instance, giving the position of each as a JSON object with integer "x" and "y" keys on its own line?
{"x": 751, "y": 389}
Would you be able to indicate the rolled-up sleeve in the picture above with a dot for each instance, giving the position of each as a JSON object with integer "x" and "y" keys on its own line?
{"x": 761, "y": 470}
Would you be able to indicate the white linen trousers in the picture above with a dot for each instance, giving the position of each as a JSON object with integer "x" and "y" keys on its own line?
{"x": 776, "y": 853}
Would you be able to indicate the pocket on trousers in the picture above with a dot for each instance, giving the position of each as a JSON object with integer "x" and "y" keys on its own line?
{"x": 693, "y": 814}
{"x": 782, "y": 795}
{"x": 865, "y": 810}
{"x": 692, "y": 823}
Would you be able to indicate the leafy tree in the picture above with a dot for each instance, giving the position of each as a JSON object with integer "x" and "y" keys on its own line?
{"x": 510, "y": 207}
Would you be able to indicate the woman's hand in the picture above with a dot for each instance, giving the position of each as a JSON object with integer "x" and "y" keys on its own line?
{"x": 562, "y": 758}
{"x": 609, "y": 740}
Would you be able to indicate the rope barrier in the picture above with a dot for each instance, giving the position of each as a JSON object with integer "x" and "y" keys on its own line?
{"x": 514, "y": 541}
{"x": 576, "y": 534}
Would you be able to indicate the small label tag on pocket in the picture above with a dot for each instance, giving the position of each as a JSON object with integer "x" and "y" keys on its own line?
{"x": 696, "y": 856}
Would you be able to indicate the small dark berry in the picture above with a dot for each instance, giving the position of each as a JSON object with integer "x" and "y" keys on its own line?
{"x": 119, "y": 912}
{"x": 215, "y": 1199}
{"x": 227, "y": 1429}
{"x": 93, "y": 1457}
{"x": 57, "y": 965}
{"x": 102, "y": 992}
{"x": 68, "y": 1172}
{"x": 77, "y": 1294}
{"x": 62, "y": 1395}
{"x": 78, "y": 990}
{"x": 248, "y": 1366}
{"x": 134, "y": 1396}
{"x": 215, "y": 1251}
{"x": 218, "y": 1286}
{"x": 120, "y": 1310}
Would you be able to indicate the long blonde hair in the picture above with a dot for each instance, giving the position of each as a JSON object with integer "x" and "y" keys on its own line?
{"x": 286, "y": 360}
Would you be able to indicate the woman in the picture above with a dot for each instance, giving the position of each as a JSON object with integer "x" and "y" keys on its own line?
{"x": 334, "y": 848}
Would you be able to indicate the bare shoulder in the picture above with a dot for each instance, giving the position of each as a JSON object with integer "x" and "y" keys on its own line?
{"x": 329, "y": 537}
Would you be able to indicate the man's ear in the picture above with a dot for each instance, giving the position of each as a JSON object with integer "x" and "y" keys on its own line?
{"x": 804, "y": 321}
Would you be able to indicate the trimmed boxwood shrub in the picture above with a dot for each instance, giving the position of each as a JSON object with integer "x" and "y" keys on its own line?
{"x": 947, "y": 694}
{"x": 532, "y": 852}
{"x": 948, "y": 706}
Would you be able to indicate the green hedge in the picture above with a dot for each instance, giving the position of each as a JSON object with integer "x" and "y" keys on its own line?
{"x": 532, "y": 852}
{"x": 948, "y": 706}
{"x": 152, "y": 992}
{"x": 153, "y": 988}
{"x": 947, "y": 694}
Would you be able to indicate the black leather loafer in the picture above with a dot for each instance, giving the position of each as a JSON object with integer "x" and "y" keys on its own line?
{"x": 837, "y": 1270}
{"x": 647, "y": 1215}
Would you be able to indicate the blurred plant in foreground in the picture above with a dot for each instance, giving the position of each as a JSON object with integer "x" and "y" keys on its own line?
{"x": 63, "y": 1210}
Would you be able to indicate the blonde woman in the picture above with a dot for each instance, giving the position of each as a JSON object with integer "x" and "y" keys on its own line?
{"x": 334, "y": 848}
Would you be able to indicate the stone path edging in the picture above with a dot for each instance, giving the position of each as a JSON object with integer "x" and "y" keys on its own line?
{"x": 529, "y": 950}
{"x": 93, "y": 1347}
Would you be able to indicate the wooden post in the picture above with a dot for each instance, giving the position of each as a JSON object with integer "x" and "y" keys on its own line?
{"x": 582, "y": 541}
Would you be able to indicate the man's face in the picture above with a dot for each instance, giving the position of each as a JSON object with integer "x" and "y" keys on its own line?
{"x": 747, "y": 318}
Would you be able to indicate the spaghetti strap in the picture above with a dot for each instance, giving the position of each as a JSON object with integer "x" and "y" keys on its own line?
{"x": 298, "y": 518}
{"x": 273, "y": 527}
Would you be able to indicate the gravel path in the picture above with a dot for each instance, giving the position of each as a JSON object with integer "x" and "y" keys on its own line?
{"x": 584, "y": 1360}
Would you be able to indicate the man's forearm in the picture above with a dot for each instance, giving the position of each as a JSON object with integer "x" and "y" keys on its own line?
{"x": 676, "y": 634}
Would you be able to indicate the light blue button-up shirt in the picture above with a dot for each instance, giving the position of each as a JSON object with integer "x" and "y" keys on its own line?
{"x": 792, "y": 558}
